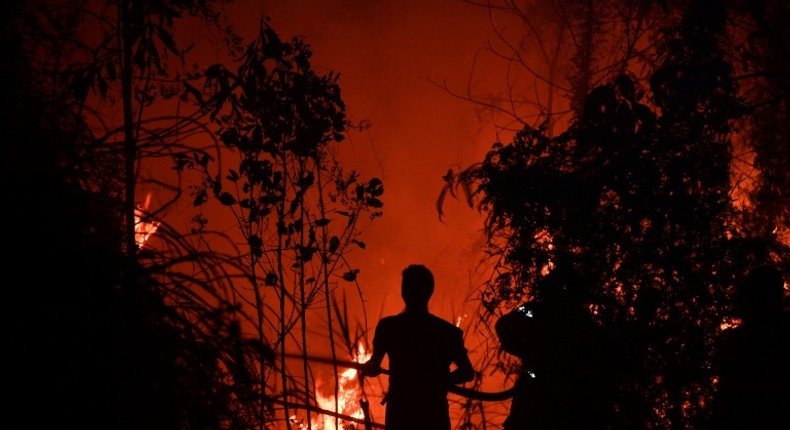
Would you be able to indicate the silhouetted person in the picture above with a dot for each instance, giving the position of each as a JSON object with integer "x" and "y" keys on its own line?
{"x": 567, "y": 380}
{"x": 752, "y": 391}
{"x": 421, "y": 348}
{"x": 517, "y": 331}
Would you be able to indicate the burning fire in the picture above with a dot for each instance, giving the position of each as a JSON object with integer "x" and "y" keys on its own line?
{"x": 349, "y": 394}
{"x": 143, "y": 229}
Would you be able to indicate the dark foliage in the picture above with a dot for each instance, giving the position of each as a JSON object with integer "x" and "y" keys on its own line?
{"x": 635, "y": 197}
{"x": 93, "y": 340}
{"x": 295, "y": 206}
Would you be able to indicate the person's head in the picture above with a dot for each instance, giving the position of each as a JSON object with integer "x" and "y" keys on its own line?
{"x": 416, "y": 286}
{"x": 762, "y": 293}
{"x": 516, "y": 331}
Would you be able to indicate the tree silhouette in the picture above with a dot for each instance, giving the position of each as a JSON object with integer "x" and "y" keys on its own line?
{"x": 763, "y": 69}
{"x": 91, "y": 341}
{"x": 552, "y": 53}
{"x": 122, "y": 336}
{"x": 296, "y": 208}
{"x": 635, "y": 196}
{"x": 564, "y": 48}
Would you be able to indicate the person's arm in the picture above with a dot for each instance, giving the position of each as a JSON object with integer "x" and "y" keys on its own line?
{"x": 372, "y": 367}
{"x": 464, "y": 371}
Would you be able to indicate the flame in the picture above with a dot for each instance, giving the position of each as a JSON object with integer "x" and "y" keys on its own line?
{"x": 349, "y": 393}
{"x": 143, "y": 229}
{"x": 297, "y": 422}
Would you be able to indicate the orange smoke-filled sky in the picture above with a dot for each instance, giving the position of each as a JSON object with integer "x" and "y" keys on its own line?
{"x": 387, "y": 53}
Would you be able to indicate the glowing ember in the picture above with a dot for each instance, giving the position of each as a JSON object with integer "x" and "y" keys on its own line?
{"x": 297, "y": 422}
{"x": 348, "y": 397}
{"x": 143, "y": 229}
{"x": 458, "y": 320}
{"x": 729, "y": 323}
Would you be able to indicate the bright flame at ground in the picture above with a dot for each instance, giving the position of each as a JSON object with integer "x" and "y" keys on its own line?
{"x": 143, "y": 229}
{"x": 349, "y": 394}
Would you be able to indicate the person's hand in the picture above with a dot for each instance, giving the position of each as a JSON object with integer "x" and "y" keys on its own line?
{"x": 370, "y": 369}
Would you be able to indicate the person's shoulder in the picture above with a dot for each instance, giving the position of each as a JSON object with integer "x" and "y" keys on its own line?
{"x": 389, "y": 321}
{"x": 443, "y": 323}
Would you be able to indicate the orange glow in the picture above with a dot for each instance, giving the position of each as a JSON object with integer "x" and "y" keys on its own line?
{"x": 144, "y": 227}
{"x": 348, "y": 398}
{"x": 729, "y": 323}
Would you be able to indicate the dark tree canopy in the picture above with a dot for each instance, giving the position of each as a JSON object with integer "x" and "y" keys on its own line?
{"x": 635, "y": 196}
{"x": 97, "y": 338}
